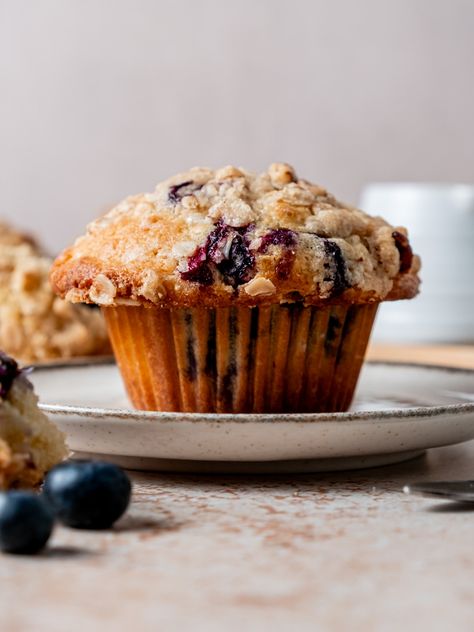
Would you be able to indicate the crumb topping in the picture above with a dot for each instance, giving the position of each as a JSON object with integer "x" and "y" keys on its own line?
{"x": 203, "y": 236}
{"x": 36, "y": 325}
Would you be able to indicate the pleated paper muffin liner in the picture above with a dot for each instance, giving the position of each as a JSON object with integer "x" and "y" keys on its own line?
{"x": 280, "y": 358}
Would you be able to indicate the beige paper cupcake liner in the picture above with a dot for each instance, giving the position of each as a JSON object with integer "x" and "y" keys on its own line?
{"x": 280, "y": 358}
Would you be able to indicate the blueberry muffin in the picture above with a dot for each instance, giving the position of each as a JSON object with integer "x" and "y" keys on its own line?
{"x": 230, "y": 291}
{"x": 30, "y": 444}
{"x": 9, "y": 236}
{"x": 35, "y": 324}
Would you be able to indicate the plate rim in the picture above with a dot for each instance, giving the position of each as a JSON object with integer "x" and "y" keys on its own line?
{"x": 401, "y": 414}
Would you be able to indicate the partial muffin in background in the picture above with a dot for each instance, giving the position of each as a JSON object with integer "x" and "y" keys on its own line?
{"x": 36, "y": 325}
{"x": 9, "y": 236}
{"x": 30, "y": 444}
{"x": 230, "y": 291}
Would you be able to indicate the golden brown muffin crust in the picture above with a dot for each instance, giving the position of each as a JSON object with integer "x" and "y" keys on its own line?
{"x": 216, "y": 238}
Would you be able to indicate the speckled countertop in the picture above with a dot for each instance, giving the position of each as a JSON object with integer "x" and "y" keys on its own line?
{"x": 344, "y": 551}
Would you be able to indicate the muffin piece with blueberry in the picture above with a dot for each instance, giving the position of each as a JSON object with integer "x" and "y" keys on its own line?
{"x": 30, "y": 444}
{"x": 231, "y": 291}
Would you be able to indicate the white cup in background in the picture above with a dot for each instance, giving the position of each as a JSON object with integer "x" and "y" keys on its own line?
{"x": 440, "y": 223}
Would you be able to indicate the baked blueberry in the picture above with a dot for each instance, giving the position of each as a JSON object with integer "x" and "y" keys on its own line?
{"x": 227, "y": 250}
{"x": 278, "y": 237}
{"x": 8, "y": 372}
{"x": 26, "y": 522}
{"x": 178, "y": 191}
{"x": 87, "y": 494}
{"x": 404, "y": 250}
{"x": 336, "y": 266}
{"x": 198, "y": 268}
{"x": 237, "y": 267}
{"x": 287, "y": 240}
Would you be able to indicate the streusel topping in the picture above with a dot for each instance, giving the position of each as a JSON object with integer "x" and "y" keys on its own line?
{"x": 229, "y": 236}
{"x": 36, "y": 325}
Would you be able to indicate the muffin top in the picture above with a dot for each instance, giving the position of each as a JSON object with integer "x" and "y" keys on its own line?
{"x": 36, "y": 325}
{"x": 11, "y": 237}
{"x": 227, "y": 237}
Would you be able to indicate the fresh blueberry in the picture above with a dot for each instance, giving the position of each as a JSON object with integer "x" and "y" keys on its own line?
{"x": 26, "y": 522}
{"x": 87, "y": 494}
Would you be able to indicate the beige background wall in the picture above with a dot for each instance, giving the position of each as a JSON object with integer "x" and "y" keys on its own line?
{"x": 101, "y": 98}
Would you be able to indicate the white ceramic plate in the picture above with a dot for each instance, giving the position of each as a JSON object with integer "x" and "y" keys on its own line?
{"x": 399, "y": 411}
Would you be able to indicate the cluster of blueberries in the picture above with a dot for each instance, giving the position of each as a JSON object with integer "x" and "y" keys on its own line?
{"x": 79, "y": 494}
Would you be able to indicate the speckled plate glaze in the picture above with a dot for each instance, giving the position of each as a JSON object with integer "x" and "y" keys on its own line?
{"x": 399, "y": 411}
